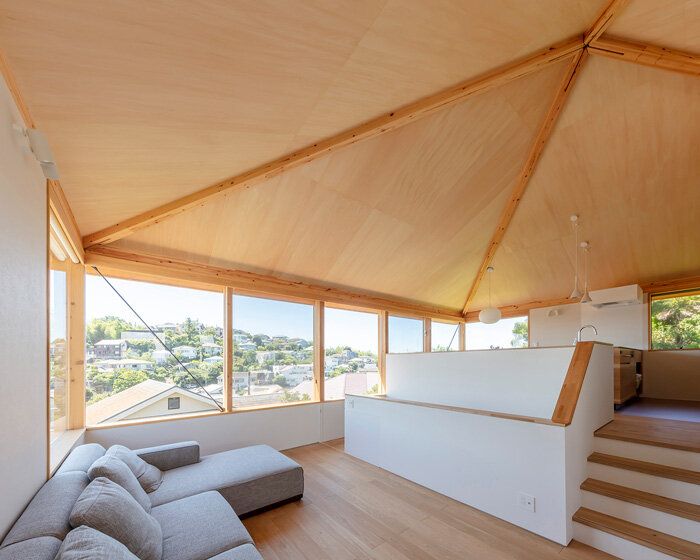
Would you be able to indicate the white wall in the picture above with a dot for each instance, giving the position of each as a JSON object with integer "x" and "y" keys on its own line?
{"x": 484, "y": 461}
{"x": 620, "y": 326}
{"x": 23, "y": 321}
{"x": 516, "y": 381}
{"x": 281, "y": 428}
{"x": 671, "y": 374}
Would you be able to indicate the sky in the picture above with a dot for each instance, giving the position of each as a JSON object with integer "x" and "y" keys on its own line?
{"x": 159, "y": 304}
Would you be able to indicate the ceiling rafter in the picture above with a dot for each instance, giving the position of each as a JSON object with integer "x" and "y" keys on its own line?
{"x": 604, "y": 20}
{"x": 647, "y": 55}
{"x": 530, "y": 164}
{"x": 375, "y": 127}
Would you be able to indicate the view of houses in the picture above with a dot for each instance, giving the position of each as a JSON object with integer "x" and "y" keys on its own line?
{"x": 130, "y": 374}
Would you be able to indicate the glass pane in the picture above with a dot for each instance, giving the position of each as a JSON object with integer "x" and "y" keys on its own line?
{"x": 675, "y": 322}
{"x": 352, "y": 340}
{"x": 58, "y": 354}
{"x": 507, "y": 333}
{"x": 444, "y": 337}
{"x": 405, "y": 335}
{"x": 273, "y": 352}
{"x": 129, "y": 374}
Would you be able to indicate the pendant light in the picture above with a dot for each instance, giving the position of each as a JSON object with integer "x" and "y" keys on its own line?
{"x": 490, "y": 315}
{"x": 576, "y": 293}
{"x": 586, "y": 249}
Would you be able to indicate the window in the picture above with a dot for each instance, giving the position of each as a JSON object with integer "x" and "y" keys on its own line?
{"x": 273, "y": 359}
{"x": 675, "y": 321}
{"x": 444, "y": 337}
{"x": 129, "y": 374}
{"x": 351, "y": 346}
{"x": 59, "y": 389}
{"x": 405, "y": 335}
{"x": 507, "y": 333}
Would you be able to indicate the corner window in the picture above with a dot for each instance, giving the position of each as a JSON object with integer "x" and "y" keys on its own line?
{"x": 129, "y": 373}
{"x": 58, "y": 351}
{"x": 675, "y": 321}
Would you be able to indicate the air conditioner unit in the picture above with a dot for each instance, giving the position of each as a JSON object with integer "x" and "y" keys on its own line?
{"x": 617, "y": 297}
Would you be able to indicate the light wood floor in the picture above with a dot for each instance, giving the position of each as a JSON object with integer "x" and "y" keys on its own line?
{"x": 661, "y": 432}
{"x": 353, "y": 510}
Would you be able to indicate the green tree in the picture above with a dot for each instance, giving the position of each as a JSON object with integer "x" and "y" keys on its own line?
{"x": 280, "y": 380}
{"x": 105, "y": 328}
{"x": 675, "y": 322}
{"x": 125, "y": 378}
{"x": 519, "y": 335}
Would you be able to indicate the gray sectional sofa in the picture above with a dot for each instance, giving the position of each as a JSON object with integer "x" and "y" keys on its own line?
{"x": 159, "y": 503}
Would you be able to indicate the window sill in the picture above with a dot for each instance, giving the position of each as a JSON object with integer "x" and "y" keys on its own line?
{"x": 62, "y": 446}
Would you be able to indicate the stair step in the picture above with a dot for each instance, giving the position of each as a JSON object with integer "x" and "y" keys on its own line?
{"x": 666, "y": 544}
{"x": 646, "y": 499}
{"x": 653, "y": 469}
{"x": 659, "y": 432}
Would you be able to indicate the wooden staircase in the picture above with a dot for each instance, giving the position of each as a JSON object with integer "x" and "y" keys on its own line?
{"x": 642, "y": 498}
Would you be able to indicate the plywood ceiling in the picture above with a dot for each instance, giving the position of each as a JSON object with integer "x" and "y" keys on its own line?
{"x": 673, "y": 24}
{"x": 144, "y": 102}
{"x": 407, "y": 213}
{"x": 624, "y": 156}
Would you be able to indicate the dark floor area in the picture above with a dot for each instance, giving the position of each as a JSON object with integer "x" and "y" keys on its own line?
{"x": 688, "y": 411}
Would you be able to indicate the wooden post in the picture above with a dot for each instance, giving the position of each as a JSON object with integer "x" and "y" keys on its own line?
{"x": 427, "y": 335}
{"x": 75, "y": 276}
{"x": 228, "y": 349}
{"x": 319, "y": 351}
{"x": 462, "y": 336}
{"x": 383, "y": 349}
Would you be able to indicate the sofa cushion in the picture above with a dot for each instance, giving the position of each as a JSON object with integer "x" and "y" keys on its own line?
{"x": 107, "y": 507}
{"x": 244, "y": 552}
{"x": 85, "y": 543}
{"x": 148, "y": 476}
{"x": 113, "y": 468}
{"x": 250, "y": 478}
{"x": 48, "y": 512}
{"x": 199, "y": 527}
{"x": 171, "y": 455}
{"x": 81, "y": 458}
{"x": 40, "y": 548}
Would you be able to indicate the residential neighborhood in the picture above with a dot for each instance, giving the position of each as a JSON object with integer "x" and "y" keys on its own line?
{"x": 130, "y": 374}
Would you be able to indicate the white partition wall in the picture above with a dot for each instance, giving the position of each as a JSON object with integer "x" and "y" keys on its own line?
{"x": 526, "y": 471}
{"x": 517, "y": 381}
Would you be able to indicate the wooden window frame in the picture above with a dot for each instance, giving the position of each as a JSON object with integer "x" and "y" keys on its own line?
{"x": 667, "y": 295}
{"x": 460, "y": 335}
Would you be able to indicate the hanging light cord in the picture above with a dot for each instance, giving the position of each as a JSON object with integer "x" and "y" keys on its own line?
{"x": 221, "y": 408}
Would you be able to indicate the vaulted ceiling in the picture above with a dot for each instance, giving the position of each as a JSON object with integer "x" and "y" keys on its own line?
{"x": 144, "y": 103}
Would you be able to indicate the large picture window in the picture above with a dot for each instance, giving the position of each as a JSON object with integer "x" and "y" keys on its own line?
{"x": 129, "y": 374}
{"x": 273, "y": 360}
{"x": 444, "y": 337}
{"x": 59, "y": 389}
{"x": 405, "y": 335}
{"x": 675, "y": 321}
{"x": 351, "y": 347}
{"x": 507, "y": 333}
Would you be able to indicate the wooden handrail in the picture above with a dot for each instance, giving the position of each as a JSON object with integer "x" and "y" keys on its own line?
{"x": 519, "y": 417}
{"x": 571, "y": 388}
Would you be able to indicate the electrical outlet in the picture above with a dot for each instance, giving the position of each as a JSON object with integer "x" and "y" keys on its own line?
{"x": 350, "y": 403}
{"x": 526, "y": 501}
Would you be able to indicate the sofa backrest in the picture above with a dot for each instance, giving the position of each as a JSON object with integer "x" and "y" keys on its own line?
{"x": 44, "y": 523}
{"x": 82, "y": 458}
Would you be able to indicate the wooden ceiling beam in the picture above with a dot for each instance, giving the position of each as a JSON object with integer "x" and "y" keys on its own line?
{"x": 530, "y": 164}
{"x": 604, "y": 20}
{"x": 144, "y": 266}
{"x": 647, "y": 55}
{"x": 371, "y": 129}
